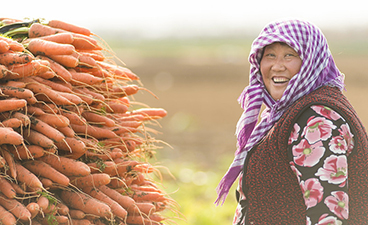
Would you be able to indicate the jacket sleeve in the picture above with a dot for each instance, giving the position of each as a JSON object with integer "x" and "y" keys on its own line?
{"x": 319, "y": 146}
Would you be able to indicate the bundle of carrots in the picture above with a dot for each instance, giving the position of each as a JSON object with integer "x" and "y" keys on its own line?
{"x": 74, "y": 149}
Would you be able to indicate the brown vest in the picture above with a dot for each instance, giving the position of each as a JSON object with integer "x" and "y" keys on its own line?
{"x": 272, "y": 190}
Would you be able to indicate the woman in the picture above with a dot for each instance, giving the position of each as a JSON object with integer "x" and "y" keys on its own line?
{"x": 306, "y": 161}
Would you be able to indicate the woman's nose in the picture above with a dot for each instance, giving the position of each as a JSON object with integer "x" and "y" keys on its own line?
{"x": 278, "y": 64}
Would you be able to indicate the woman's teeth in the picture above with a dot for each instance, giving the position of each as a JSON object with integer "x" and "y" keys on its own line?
{"x": 280, "y": 79}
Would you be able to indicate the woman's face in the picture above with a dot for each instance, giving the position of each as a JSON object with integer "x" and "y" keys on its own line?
{"x": 279, "y": 64}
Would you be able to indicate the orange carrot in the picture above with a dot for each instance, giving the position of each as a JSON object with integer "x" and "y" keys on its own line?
{"x": 80, "y": 78}
{"x": 6, "y": 188}
{"x": 125, "y": 201}
{"x": 108, "y": 167}
{"x": 116, "y": 209}
{"x": 150, "y": 113}
{"x": 76, "y": 214}
{"x": 72, "y": 145}
{"x": 46, "y": 183}
{"x": 12, "y": 104}
{"x": 86, "y": 98}
{"x": 68, "y": 167}
{"x": 69, "y": 27}
{"x": 91, "y": 180}
{"x": 148, "y": 196}
{"x": 25, "y": 176}
{"x": 32, "y": 68}
{"x": 43, "y": 47}
{"x": 36, "y": 111}
{"x": 85, "y": 203}
{"x": 43, "y": 169}
{"x": 75, "y": 99}
{"x": 106, "y": 155}
{"x": 43, "y": 202}
{"x": 33, "y": 208}
{"x": 47, "y": 75}
{"x": 13, "y": 45}
{"x": 13, "y": 83}
{"x": 12, "y": 58}
{"x": 54, "y": 120}
{"x": 36, "y": 138}
{"x": 12, "y": 122}
{"x": 39, "y": 30}
{"x": 95, "y": 95}
{"x": 9, "y": 136}
{"x": 116, "y": 108}
{"x": 46, "y": 130}
{"x": 65, "y": 60}
{"x": 95, "y": 54}
{"x": 139, "y": 219}
{"x": 46, "y": 107}
{"x": 16, "y": 92}
{"x": 47, "y": 94}
{"x": 74, "y": 118}
{"x": 80, "y": 222}
{"x": 61, "y": 38}
{"x": 6, "y": 217}
{"x": 117, "y": 183}
{"x": 4, "y": 46}
{"x": 22, "y": 117}
{"x": 3, "y": 71}
{"x": 54, "y": 85}
{"x": 67, "y": 131}
{"x": 147, "y": 208}
{"x": 94, "y": 131}
{"x": 85, "y": 42}
{"x": 10, "y": 161}
{"x": 62, "y": 209}
{"x": 57, "y": 68}
{"x": 118, "y": 70}
{"x": 98, "y": 119}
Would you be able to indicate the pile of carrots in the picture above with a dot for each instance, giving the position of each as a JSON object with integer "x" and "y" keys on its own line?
{"x": 74, "y": 146}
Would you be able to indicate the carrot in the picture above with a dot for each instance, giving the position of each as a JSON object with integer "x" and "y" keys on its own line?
{"x": 65, "y": 60}
{"x": 54, "y": 120}
{"x": 69, "y": 27}
{"x": 36, "y": 138}
{"x": 39, "y": 30}
{"x": 12, "y": 122}
{"x": 46, "y": 183}
{"x": 118, "y": 70}
{"x": 32, "y": 68}
{"x": 47, "y": 75}
{"x": 86, "y": 98}
{"x": 33, "y": 208}
{"x": 72, "y": 145}
{"x": 16, "y": 92}
{"x": 22, "y": 152}
{"x": 3, "y": 71}
{"x": 75, "y": 99}
{"x": 80, "y": 78}
{"x": 74, "y": 118}
{"x": 27, "y": 177}
{"x": 91, "y": 180}
{"x": 43, "y": 47}
{"x": 43, "y": 92}
{"x": 85, "y": 42}
{"x": 125, "y": 201}
{"x": 116, "y": 209}
{"x": 95, "y": 95}
{"x": 150, "y": 113}
{"x": 13, "y": 83}
{"x": 150, "y": 196}
{"x": 43, "y": 202}
{"x": 76, "y": 214}
{"x": 60, "y": 71}
{"x": 116, "y": 108}
{"x": 13, "y": 45}
{"x": 80, "y": 222}
{"x": 138, "y": 219}
{"x": 106, "y": 155}
{"x": 95, "y": 54}
{"x": 6, "y": 188}
{"x": 62, "y": 209}
{"x": 9, "y": 136}
{"x": 55, "y": 219}
{"x": 147, "y": 208}
{"x": 6, "y": 218}
{"x": 61, "y": 38}
{"x": 108, "y": 167}
{"x": 40, "y": 168}
{"x": 46, "y": 130}
{"x": 4, "y": 46}
{"x": 12, "y": 58}
{"x": 36, "y": 111}
{"x": 85, "y": 203}
{"x": 68, "y": 167}
{"x": 96, "y": 132}
{"x": 98, "y": 119}
{"x": 22, "y": 117}
{"x": 12, "y": 104}
{"x": 117, "y": 183}
{"x": 54, "y": 85}
{"x": 10, "y": 161}
{"x": 67, "y": 131}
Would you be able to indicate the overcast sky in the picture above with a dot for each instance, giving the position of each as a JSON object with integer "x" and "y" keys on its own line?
{"x": 160, "y": 17}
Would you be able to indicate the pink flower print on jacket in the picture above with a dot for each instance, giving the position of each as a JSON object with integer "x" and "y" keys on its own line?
{"x": 326, "y": 112}
{"x": 348, "y": 136}
{"x": 312, "y": 192}
{"x": 318, "y": 128}
{"x": 338, "y": 145}
{"x": 338, "y": 203}
{"x": 334, "y": 170}
{"x": 294, "y": 134}
{"x": 297, "y": 173}
{"x": 328, "y": 220}
{"x": 307, "y": 155}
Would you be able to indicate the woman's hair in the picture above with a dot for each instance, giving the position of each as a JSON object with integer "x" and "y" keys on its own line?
{"x": 318, "y": 69}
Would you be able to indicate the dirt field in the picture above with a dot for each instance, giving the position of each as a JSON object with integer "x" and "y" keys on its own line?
{"x": 200, "y": 95}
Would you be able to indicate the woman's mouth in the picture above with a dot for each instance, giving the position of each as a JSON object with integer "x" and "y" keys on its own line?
{"x": 280, "y": 80}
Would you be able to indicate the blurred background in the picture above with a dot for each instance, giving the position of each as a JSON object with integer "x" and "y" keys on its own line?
{"x": 193, "y": 55}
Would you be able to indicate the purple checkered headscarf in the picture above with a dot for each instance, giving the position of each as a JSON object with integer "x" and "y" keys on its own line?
{"x": 318, "y": 69}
